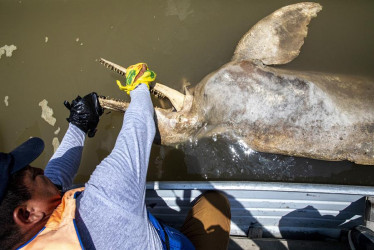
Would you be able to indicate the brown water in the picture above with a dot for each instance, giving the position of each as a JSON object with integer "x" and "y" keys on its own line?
{"x": 58, "y": 44}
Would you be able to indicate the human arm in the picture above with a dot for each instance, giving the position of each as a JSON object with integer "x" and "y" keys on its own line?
{"x": 122, "y": 174}
{"x": 64, "y": 164}
{"x": 83, "y": 118}
{"x": 112, "y": 210}
{"x": 130, "y": 155}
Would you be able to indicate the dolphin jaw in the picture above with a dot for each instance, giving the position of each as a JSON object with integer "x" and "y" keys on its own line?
{"x": 176, "y": 98}
{"x": 112, "y": 66}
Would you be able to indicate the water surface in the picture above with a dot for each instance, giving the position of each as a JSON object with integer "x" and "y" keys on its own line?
{"x": 58, "y": 43}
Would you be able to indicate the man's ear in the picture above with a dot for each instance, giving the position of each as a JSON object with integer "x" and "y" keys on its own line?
{"x": 24, "y": 216}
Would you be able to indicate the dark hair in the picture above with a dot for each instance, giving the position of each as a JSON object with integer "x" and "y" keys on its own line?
{"x": 17, "y": 193}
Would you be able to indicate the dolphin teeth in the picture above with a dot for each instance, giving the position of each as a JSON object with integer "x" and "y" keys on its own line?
{"x": 157, "y": 94}
{"x": 112, "y": 66}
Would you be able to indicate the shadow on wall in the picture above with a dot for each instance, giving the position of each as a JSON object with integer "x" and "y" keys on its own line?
{"x": 312, "y": 222}
{"x": 175, "y": 216}
{"x": 309, "y": 224}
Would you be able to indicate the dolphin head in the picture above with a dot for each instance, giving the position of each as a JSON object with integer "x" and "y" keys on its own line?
{"x": 175, "y": 124}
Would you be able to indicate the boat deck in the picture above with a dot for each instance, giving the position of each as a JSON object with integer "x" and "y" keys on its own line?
{"x": 262, "y": 211}
{"x": 238, "y": 243}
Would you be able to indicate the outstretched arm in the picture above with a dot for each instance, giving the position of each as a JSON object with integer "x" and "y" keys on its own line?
{"x": 64, "y": 164}
{"x": 84, "y": 117}
{"x": 121, "y": 176}
{"x": 116, "y": 189}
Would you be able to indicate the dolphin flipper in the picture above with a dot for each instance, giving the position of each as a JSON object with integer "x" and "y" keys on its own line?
{"x": 277, "y": 38}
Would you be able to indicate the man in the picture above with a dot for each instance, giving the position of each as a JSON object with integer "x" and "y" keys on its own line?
{"x": 110, "y": 212}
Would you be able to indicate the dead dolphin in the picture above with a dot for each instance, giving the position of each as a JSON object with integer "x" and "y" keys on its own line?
{"x": 307, "y": 114}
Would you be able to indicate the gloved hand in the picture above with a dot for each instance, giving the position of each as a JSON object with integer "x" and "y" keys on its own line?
{"x": 85, "y": 113}
{"x": 135, "y": 75}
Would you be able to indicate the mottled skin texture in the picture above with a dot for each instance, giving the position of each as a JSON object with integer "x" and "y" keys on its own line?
{"x": 288, "y": 112}
{"x": 273, "y": 110}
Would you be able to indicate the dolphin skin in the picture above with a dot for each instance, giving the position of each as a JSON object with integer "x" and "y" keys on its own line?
{"x": 273, "y": 110}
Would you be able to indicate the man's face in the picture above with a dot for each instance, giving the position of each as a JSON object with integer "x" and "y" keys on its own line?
{"x": 45, "y": 197}
{"x": 44, "y": 194}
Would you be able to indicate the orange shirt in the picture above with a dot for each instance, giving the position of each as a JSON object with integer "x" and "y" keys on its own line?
{"x": 60, "y": 232}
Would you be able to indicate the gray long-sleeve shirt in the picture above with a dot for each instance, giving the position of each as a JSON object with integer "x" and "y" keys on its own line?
{"x": 111, "y": 212}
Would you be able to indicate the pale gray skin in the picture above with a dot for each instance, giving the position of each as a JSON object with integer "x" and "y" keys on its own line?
{"x": 287, "y": 112}
{"x": 278, "y": 111}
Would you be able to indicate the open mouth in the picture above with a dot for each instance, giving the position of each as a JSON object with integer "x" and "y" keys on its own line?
{"x": 159, "y": 90}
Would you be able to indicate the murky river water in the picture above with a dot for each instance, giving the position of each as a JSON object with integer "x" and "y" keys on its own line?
{"x": 58, "y": 44}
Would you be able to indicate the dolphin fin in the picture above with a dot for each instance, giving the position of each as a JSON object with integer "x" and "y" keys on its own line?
{"x": 277, "y": 38}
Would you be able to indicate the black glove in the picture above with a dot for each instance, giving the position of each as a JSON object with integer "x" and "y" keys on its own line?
{"x": 85, "y": 113}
